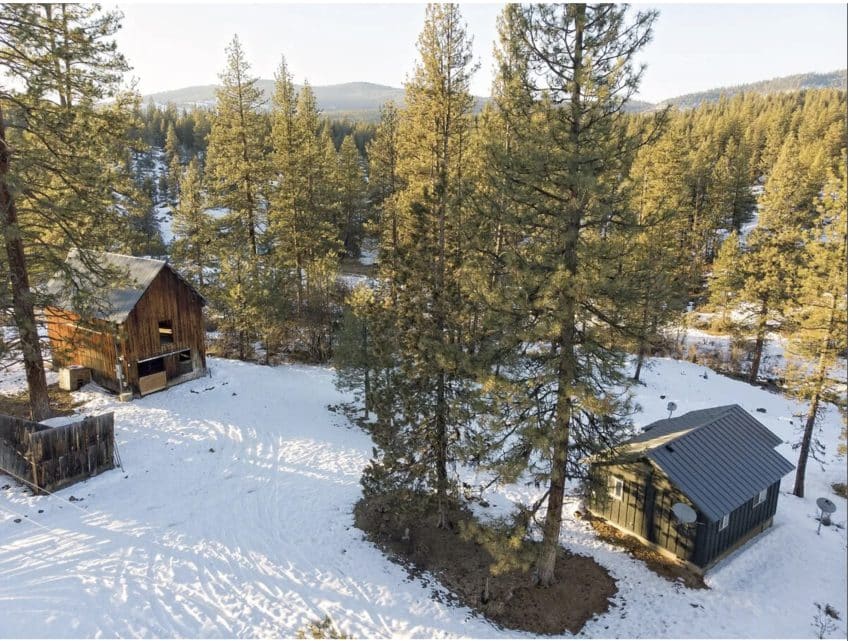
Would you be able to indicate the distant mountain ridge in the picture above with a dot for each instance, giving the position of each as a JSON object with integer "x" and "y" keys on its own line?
{"x": 352, "y": 98}
{"x": 364, "y": 99}
{"x": 830, "y": 80}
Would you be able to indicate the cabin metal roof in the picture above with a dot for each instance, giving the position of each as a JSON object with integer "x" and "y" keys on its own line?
{"x": 719, "y": 457}
{"x": 118, "y": 289}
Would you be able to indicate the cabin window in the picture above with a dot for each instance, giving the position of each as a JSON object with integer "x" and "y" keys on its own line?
{"x": 724, "y": 523}
{"x": 617, "y": 488}
{"x": 761, "y": 498}
{"x": 166, "y": 332}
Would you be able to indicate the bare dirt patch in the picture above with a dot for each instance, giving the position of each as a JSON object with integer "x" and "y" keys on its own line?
{"x": 463, "y": 567}
{"x": 655, "y": 561}
{"x": 61, "y": 403}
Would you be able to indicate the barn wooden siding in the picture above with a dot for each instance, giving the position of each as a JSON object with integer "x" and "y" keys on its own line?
{"x": 713, "y": 543}
{"x": 90, "y": 343}
{"x": 50, "y": 458}
{"x": 98, "y": 344}
{"x": 167, "y": 299}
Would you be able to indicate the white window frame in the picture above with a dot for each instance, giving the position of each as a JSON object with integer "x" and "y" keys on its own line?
{"x": 761, "y": 498}
{"x": 616, "y": 489}
{"x": 724, "y": 523}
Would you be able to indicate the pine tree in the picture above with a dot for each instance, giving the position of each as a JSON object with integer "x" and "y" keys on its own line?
{"x": 726, "y": 277}
{"x": 820, "y": 313}
{"x": 427, "y": 408}
{"x": 67, "y": 123}
{"x": 773, "y": 256}
{"x": 570, "y": 148}
{"x": 192, "y": 227}
{"x": 656, "y": 268}
{"x": 173, "y": 163}
{"x": 384, "y": 184}
{"x": 351, "y": 185}
{"x": 236, "y": 163}
{"x": 237, "y": 173}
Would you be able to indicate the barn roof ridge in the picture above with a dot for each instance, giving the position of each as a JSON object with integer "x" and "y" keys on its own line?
{"x": 121, "y": 294}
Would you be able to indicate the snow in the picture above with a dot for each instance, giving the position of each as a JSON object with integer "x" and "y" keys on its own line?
{"x": 13, "y": 378}
{"x": 369, "y": 252}
{"x": 165, "y": 219}
{"x": 232, "y": 518}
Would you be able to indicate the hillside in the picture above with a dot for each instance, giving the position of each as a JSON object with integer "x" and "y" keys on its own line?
{"x": 332, "y": 99}
{"x": 831, "y": 80}
{"x": 362, "y": 100}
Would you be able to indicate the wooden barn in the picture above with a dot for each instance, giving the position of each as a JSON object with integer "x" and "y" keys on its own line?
{"x": 141, "y": 332}
{"x": 720, "y": 462}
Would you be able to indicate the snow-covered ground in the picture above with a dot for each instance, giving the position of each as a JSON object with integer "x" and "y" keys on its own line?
{"x": 232, "y": 518}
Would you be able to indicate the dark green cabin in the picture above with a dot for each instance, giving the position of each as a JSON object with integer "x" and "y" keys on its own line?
{"x": 719, "y": 461}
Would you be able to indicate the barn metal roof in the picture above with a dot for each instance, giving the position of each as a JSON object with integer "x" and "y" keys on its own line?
{"x": 719, "y": 457}
{"x": 123, "y": 282}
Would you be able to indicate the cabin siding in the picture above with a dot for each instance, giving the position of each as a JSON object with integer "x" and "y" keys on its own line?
{"x": 646, "y": 506}
{"x": 713, "y": 543}
{"x": 646, "y": 509}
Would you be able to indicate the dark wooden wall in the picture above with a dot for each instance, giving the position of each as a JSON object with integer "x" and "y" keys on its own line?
{"x": 646, "y": 506}
{"x": 646, "y": 510}
{"x": 711, "y": 543}
{"x": 167, "y": 299}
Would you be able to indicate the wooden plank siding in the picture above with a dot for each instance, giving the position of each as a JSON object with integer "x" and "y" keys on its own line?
{"x": 101, "y": 345}
{"x": 50, "y": 458}
{"x": 167, "y": 299}
{"x": 646, "y": 506}
{"x": 712, "y": 542}
{"x": 646, "y": 510}
{"x": 90, "y": 343}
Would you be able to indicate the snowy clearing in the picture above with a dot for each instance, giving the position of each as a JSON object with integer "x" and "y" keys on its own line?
{"x": 233, "y": 519}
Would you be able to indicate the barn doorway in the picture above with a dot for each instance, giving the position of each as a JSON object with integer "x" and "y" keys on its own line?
{"x": 152, "y": 376}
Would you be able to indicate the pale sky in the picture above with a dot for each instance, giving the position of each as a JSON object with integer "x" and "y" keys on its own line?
{"x": 695, "y": 47}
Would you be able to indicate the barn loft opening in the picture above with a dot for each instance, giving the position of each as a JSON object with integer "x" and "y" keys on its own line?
{"x": 166, "y": 332}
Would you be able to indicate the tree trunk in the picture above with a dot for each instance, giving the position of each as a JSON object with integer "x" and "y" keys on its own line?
{"x": 567, "y": 362}
{"x": 367, "y": 387}
{"x": 760, "y": 332}
{"x": 641, "y": 351}
{"x": 814, "y": 404}
{"x": 805, "y": 446}
{"x": 22, "y": 299}
{"x": 442, "y": 454}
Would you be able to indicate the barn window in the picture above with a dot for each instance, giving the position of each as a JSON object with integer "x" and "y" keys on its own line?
{"x": 724, "y": 523}
{"x": 617, "y": 488}
{"x": 166, "y": 332}
{"x": 761, "y": 498}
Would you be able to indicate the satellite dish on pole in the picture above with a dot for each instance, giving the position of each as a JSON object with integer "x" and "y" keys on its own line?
{"x": 684, "y": 513}
{"x": 671, "y": 407}
{"x": 827, "y": 507}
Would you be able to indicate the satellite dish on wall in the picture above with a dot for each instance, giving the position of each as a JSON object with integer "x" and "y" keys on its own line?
{"x": 671, "y": 407}
{"x": 684, "y": 513}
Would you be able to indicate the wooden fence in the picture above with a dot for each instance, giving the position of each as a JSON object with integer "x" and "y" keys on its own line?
{"x": 50, "y": 458}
